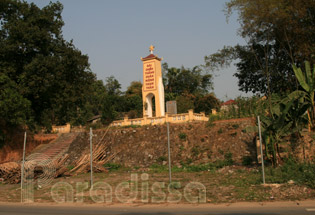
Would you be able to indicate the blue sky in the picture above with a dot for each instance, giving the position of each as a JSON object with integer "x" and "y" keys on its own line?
{"x": 116, "y": 33}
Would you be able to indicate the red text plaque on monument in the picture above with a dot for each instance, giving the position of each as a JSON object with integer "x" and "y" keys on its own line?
{"x": 149, "y": 76}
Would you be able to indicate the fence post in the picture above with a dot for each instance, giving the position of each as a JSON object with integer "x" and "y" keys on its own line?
{"x": 261, "y": 152}
{"x": 169, "y": 152}
{"x": 22, "y": 169}
{"x": 91, "y": 155}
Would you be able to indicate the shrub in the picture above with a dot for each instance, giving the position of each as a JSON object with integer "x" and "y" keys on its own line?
{"x": 161, "y": 159}
{"x": 182, "y": 136}
{"x": 234, "y": 134}
{"x": 189, "y": 161}
{"x": 247, "y": 160}
{"x": 195, "y": 151}
{"x": 228, "y": 159}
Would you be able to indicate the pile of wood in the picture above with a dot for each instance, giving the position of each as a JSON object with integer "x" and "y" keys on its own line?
{"x": 10, "y": 172}
{"x": 61, "y": 169}
{"x": 100, "y": 157}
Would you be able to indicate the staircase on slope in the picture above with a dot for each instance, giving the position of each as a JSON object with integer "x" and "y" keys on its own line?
{"x": 54, "y": 149}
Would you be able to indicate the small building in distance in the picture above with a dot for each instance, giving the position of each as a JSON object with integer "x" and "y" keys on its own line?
{"x": 226, "y": 106}
{"x": 94, "y": 119}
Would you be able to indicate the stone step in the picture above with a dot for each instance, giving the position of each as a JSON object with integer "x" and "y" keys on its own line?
{"x": 56, "y": 148}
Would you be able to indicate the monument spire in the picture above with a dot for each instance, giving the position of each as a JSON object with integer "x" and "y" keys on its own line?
{"x": 151, "y": 49}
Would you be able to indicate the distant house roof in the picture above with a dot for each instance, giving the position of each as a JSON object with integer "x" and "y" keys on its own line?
{"x": 94, "y": 118}
{"x": 150, "y": 57}
{"x": 229, "y": 102}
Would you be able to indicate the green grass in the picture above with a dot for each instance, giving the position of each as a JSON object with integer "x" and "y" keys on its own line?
{"x": 70, "y": 167}
{"x": 131, "y": 126}
{"x": 188, "y": 167}
{"x": 156, "y": 168}
{"x": 300, "y": 173}
{"x": 112, "y": 166}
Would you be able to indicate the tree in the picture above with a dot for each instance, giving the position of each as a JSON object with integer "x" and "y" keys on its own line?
{"x": 206, "y": 103}
{"x": 135, "y": 88}
{"x": 190, "y": 88}
{"x": 48, "y": 71}
{"x": 112, "y": 86}
{"x": 185, "y": 102}
{"x": 288, "y": 22}
{"x": 276, "y": 32}
{"x": 14, "y": 109}
{"x": 133, "y": 100}
{"x": 113, "y": 101}
{"x": 184, "y": 80}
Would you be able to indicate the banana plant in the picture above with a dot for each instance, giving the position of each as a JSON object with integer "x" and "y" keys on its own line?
{"x": 307, "y": 82}
{"x": 287, "y": 117}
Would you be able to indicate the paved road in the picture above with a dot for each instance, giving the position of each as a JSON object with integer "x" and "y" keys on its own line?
{"x": 158, "y": 209}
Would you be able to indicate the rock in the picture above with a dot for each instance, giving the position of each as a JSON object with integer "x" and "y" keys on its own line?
{"x": 164, "y": 163}
{"x": 134, "y": 131}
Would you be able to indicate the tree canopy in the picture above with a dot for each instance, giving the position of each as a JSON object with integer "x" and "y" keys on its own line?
{"x": 278, "y": 33}
{"x": 44, "y": 74}
{"x": 184, "y": 80}
{"x": 190, "y": 88}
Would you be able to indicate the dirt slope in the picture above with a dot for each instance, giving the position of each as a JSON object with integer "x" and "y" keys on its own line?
{"x": 13, "y": 148}
{"x": 191, "y": 143}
